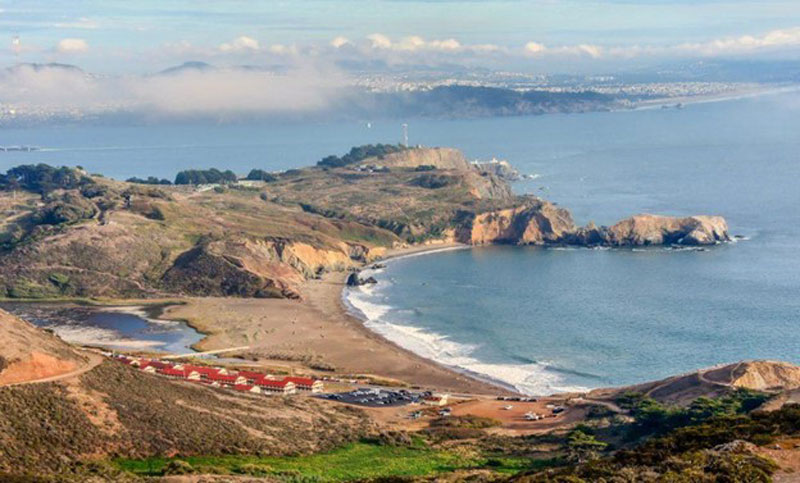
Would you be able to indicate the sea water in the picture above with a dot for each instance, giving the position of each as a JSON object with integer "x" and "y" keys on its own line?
{"x": 547, "y": 320}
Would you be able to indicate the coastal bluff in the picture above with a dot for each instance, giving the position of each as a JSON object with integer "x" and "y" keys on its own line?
{"x": 538, "y": 222}
{"x": 266, "y": 236}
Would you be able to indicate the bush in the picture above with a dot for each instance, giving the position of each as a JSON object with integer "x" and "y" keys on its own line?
{"x": 149, "y": 180}
{"x": 205, "y": 176}
{"x": 178, "y": 467}
{"x": 254, "y": 469}
{"x": 260, "y": 175}
{"x": 42, "y": 178}
{"x": 360, "y": 153}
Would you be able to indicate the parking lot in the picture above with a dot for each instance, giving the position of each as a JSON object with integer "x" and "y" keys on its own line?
{"x": 376, "y": 398}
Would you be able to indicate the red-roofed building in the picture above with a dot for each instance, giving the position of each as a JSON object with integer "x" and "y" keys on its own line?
{"x": 198, "y": 373}
{"x": 283, "y": 387}
{"x": 172, "y": 373}
{"x": 247, "y": 388}
{"x": 252, "y": 376}
{"x": 229, "y": 380}
{"x": 306, "y": 383}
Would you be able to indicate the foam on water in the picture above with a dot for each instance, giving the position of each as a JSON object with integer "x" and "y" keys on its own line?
{"x": 534, "y": 378}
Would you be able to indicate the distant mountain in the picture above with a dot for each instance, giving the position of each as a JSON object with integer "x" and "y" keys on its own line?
{"x": 193, "y": 65}
{"x": 44, "y": 67}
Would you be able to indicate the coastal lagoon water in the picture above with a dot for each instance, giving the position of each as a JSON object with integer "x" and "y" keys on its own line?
{"x": 547, "y": 319}
{"x": 117, "y": 328}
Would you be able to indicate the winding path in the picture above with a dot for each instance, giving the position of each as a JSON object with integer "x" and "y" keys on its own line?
{"x": 94, "y": 361}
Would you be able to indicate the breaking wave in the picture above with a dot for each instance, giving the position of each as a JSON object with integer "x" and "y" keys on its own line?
{"x": 534, "y": 378}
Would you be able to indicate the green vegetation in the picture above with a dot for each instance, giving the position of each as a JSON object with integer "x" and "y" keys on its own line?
{"x": 205, "y": 176}
{"x": 652, "y": 417}
{"x": 354, "y": 461}
{"x": 42, "y": 178}
{"x": 718, "y": 449}
{"x": 260, "y": 175}
{"x": 360, "y": 153}
{"x": 149, "y": 180}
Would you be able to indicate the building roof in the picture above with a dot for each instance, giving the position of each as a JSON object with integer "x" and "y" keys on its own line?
{"x": 201, "y": 369}
{"x": 168, "y": 371}
{"x": 300, "y": 381}
{"x": 252, "y": 375}
{"x": 222, "y": 378}
{"x": 271, "y": 383}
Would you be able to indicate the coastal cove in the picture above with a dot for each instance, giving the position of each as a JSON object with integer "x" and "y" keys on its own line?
{"x": 560, "y": 318}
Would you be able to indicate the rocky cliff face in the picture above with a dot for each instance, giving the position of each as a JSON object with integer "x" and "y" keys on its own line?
{"x": 643, "y": 230}
{"x": 539, "y": 222}
{"x": 272, "y": 268}
{"x": 440, "y": 158}
{"x": 534, "y": 223}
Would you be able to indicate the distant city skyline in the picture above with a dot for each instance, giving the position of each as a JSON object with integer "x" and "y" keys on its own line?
{"x": 534, "y": 35}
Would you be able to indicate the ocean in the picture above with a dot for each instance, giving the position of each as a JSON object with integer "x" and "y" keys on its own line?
{"x": 546, "y": 320}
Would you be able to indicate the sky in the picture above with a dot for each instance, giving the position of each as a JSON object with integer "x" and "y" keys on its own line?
{"x": 113, "y": 36}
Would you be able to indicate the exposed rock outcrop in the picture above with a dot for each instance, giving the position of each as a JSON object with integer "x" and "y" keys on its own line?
{"x": 539, "y": 222}
{"x": 439, "y": 158}
{"x": 501, "y": 169}
{"x": 536, "y": 222}
{"x": 353, "y": 280}
{"x": 273, "y": 268}
{"x": 646, "y": 229}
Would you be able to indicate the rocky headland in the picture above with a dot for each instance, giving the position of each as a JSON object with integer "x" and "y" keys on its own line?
{"x": 70, "y": 234}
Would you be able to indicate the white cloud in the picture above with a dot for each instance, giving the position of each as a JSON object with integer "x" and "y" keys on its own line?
{"x": 380, "y": 41}
{"x": 340, "y": 42}
{"x": 72, "y": 46}
{"x": 534, "y": 48}
{"x": 280, "y": 49}
{"x": 745, "y": 44}
{"x": 214, "y": 92}
{"x": 240, "y": 44}
{"x": 415, "y": 43}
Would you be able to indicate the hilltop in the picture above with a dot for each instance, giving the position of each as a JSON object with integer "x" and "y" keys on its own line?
{"x": 773, "y": 377}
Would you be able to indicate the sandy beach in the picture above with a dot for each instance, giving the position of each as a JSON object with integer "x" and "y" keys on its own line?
{"x": 318, "y": 333}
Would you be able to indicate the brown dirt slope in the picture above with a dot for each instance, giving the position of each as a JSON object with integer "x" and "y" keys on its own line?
{"x": 27, "y": 353}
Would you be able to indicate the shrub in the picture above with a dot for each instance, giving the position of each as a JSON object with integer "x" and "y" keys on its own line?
{"x": 360, "y": 153}
{"x": 260, "y": 175}
{"x": 178, "y": 467}
{"x": 149, "y": 180}
{"x": 205, "y": 176}
{"x": 43, "y": 178}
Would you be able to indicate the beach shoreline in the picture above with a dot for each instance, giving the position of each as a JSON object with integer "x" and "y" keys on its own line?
{"x": 319, "y": 334}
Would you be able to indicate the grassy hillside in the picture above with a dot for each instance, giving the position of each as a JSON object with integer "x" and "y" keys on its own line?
{"x": 67, "y": 234}
{"x": 114, "y": 411}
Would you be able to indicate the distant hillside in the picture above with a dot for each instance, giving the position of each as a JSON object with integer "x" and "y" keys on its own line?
{"x": 765, "y": 376}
